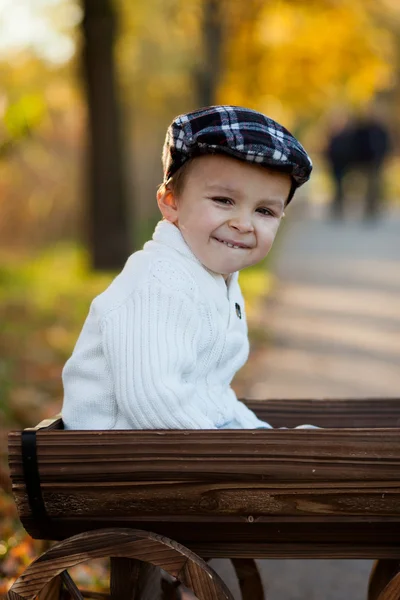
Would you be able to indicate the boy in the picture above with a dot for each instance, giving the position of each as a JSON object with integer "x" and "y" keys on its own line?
{"x": 162, "y": 344}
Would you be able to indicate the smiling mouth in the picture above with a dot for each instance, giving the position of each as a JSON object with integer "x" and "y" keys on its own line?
{"x": 236, "y": 247}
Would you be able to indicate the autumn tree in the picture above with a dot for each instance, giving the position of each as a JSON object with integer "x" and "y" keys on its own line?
{"x": 108, "y": 208}
{"x": 207, "y": 73}
{"x": 295, "y": 60}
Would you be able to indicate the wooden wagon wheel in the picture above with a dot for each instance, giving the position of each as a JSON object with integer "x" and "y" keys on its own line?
{"x": 384, "y": 581}
{"x": 392, "y": 590}
{"x": 382, "y": 573}
{"x": 131, "y": 552}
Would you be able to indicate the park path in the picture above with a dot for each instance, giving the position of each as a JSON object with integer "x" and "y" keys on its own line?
{"x": 334, "y": 320}
{"x": 334, "y": 317}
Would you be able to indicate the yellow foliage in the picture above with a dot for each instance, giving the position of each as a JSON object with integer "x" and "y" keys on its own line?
{"x": 24, "y": 114}
{"x": 309, "y": 56}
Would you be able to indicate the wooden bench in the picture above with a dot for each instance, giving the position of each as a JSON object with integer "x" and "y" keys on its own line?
{"x": 238, "y": 494}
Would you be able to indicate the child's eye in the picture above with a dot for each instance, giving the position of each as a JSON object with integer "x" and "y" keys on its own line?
{"x": 266, "y": 211}
{"x": 222, "y": 200}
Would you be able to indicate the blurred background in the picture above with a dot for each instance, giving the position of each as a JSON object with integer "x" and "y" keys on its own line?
{"x": 87, "y": 90}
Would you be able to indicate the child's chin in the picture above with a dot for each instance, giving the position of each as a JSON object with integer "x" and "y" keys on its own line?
{"x": 225, "y": 270}
{"x": 224, "y": 267}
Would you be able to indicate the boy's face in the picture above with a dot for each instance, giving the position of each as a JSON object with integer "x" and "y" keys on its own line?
{"x": 227, "y": 201}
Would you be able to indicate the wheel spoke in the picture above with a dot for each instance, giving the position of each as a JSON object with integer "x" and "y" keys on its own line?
{"x": 70, "y": 585}
{"x": 172, "y": 589}
{"x": 52, "y": 590}
{"x": 124, "y": 578}
{"x": 249, "y": 578}
{"x": 196, "y": 578}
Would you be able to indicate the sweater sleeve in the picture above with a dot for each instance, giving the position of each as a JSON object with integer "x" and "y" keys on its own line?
{"x": 248, "y": 419}
{"x": 151, "y": 346}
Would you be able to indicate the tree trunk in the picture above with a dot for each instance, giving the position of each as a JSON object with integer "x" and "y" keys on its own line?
{"x": 208, "y": 74}
{"x": 108, "y": 208}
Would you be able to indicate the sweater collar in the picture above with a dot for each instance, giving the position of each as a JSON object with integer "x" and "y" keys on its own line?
{"x": 168, "y": 234}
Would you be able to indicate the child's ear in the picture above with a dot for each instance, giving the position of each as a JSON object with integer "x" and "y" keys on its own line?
{"x": 167, "y": 204}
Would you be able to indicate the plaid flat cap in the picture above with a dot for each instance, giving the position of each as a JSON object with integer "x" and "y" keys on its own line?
{"x": 239, "y": 132}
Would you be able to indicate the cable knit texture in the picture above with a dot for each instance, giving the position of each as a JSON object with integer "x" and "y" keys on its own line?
{"x": 160, "y": 347}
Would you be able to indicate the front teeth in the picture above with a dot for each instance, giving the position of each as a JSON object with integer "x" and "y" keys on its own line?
{"x": 228, "y": 244}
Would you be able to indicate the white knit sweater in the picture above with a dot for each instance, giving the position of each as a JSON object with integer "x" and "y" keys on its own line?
{"x": 160, "y": 347}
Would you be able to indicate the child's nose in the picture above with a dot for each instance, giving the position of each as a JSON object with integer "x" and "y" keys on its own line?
{"x": 242, "y": 223}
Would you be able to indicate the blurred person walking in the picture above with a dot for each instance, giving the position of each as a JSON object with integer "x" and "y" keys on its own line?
{"x": 359, "y": 145}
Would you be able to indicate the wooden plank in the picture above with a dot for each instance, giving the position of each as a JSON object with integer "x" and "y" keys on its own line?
{"x": 236, "y": 500}
{"x": 141, "y": 451}
{"x": 296, "y": 551}
{"x": 329, "y": 412}
{"x": 284, "y": 539}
